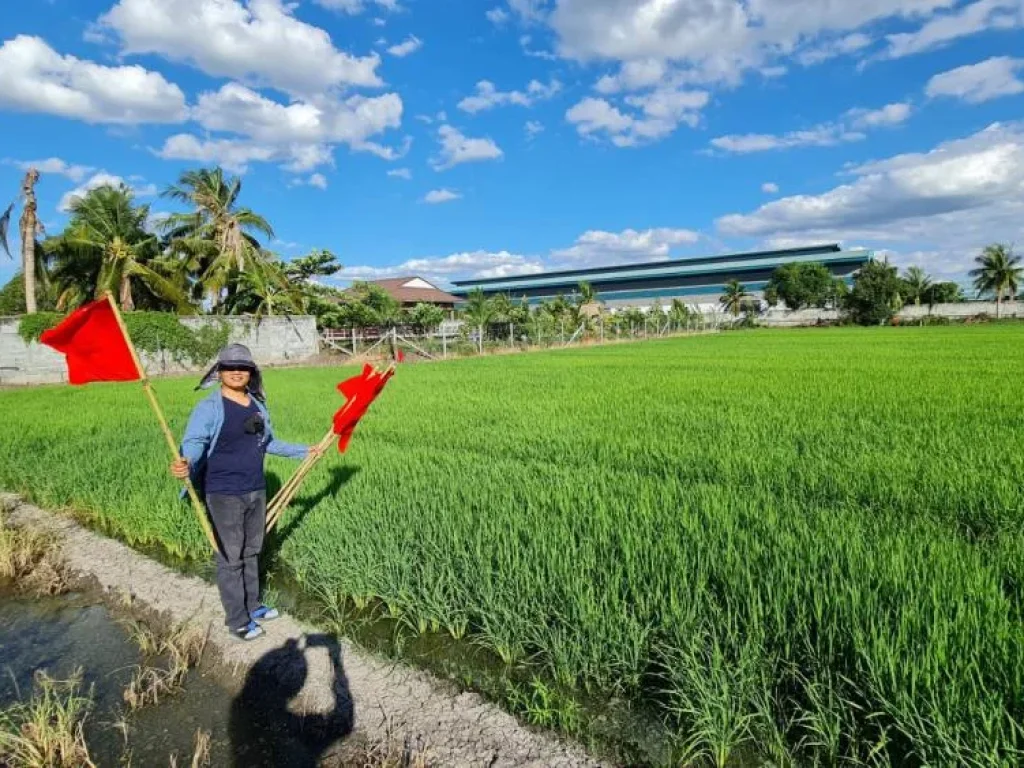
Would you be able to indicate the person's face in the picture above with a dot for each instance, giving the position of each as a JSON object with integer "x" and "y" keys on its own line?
{"x": 235, "y": 377}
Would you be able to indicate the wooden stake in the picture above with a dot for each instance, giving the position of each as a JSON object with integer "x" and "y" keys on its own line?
{"x": 147, "y": 387}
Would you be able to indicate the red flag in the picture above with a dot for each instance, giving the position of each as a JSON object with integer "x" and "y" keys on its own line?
{"x": 359, "y": 391}
{"x": 92, "y": 342}
{"x": 400, "y": 356}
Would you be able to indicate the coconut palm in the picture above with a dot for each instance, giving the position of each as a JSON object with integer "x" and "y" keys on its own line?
{"x": 479, "y": 310}
{"x": 916, "y": 282}
{"x": 734, "y": 298}
{"x": 106, "y": 246}
{"x": 999, "y": 272}
{"x": 264, "y": 289}
{"x": 216, "y": 239}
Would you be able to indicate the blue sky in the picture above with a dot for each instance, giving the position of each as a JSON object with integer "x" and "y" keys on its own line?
{"x": 456, "y": 138}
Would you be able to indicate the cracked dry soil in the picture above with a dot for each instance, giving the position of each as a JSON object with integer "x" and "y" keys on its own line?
{"x": 387, "y": 700}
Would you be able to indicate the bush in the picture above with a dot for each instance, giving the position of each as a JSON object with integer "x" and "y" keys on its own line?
{"x": 875, "y": 298}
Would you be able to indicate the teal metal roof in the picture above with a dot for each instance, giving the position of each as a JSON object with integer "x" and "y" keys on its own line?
{"x": 720, "y": 266}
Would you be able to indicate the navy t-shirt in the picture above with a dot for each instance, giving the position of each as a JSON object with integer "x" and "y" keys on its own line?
{"x": 236, "y": 464}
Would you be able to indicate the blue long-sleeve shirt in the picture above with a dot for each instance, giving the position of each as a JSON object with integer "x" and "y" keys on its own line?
{"x": 203, "y": 430}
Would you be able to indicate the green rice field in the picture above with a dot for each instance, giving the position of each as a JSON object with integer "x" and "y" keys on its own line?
{"x": 801, "y": 546}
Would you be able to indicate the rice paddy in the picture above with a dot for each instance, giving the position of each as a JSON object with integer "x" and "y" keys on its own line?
{"x": 800, "y": 546}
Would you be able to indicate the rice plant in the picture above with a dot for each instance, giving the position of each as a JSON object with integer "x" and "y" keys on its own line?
{"x": 798, "y": 545}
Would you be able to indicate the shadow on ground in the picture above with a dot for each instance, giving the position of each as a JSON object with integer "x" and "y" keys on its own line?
{"x": 262, "y": 729}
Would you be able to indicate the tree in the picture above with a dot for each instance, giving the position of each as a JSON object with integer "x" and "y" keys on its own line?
{"x": 264, "y": 289}
{"x": 876, "y": 295}
{"x": 216, "y": 238}
{"x": 999, "y": 272}
{"x": 28, "y": 227}
{"x": 799, "y": 285}
{"x": 585, "y": 294}
{"x": 426, "y": 316}
{"x": 106, "y": 247}
{"x": 479, "y": 310}
{"x": 321, "y": 263}
{"x": 915, "y": 285}
{"x": 735, "y": 296}
{"x": 944, "y": 293}
{"x": 678, "y": 312}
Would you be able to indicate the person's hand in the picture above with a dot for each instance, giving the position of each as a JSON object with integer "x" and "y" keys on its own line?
{"x": 179, "y": 468}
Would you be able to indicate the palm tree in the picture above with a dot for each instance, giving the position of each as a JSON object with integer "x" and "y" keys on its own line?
{"x": 734, "y": 298}
{"x": 264, "y": 289}
{"x": 585, "y": 294}
{"x": 105, "y": 246}
{"x": 998, "y": 272}
{"x": 216, "y": 238}
{"x": 28, "y": 227}
{"x": 479, "y": 310}
{"x": 917, "y": 283}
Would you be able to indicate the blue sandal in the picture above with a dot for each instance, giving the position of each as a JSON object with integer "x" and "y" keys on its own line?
{"x": 250, "y": 631}
{"x": 263, "y": 613}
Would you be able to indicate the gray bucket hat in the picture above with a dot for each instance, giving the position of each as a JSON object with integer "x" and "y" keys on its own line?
{"x": 236, "y": 355}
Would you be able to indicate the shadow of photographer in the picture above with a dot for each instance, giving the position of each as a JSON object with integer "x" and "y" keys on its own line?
{"x": 262, "y": 730}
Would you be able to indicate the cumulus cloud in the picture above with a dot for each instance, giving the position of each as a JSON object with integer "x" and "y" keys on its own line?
{"x": 533, "y": 128}
{"x": 487, "y": 95}
{"x": 36, "y": 78}
{"x": 849, "y": 129}
{"x": 400, "y": 173}
{"x": 436, "y": 196}
{"x": 410, "y": 45}
{"x": 262, "y": 42}
{"x": 457, "y": 148}
{"x": 100, "y": 179}
{"x": 317, "y": 180}
{"x": 597, "y": 247}
{"x": 975, "y": 83}
{"x": 497, "y": 16}
{"x": 969, "y": 19}
{"x": 955, "y": 198}
{"x": 468, "y": 264}
{"x": 655, "y": 115}
{"x": 770, "y": 188}
{"x": 56, "y": 166}
{"x": 354, "y": 7}
{"x": 233, "y": 154}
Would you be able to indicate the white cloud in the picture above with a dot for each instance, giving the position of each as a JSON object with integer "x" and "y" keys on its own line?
{"x": 660, "y": 113}
{"x": 379, "y": 22}
{"x": 487, "y": 96}
{"x": 35, "y": 78}
{"x": 715, "y": 39}
{"x": 317, "y": 180}
{"x": 457, "y": 149}
{"x": 528, "y": 10}
{"x": 633, "y": 76}
{"x": 400, "y": 173}
{"x": 497, "y": 16}
{"x": 300, "y": 132}
{"x": 967, "y": 20}
{"x": 56, "y": 166}
{"x": 975, "y": 83}
{"x": 410, "y": 45}
{"x": 234, "y": 155}
{"x": 354, "y": 7}
{"x": 436, "y": 196}
{"x": 597, "y": 247}
{"x": 770, "y": 188}
{"x": 824, "y": 135}
{"x": 100, "y": 179}
{"x": 831, "y": 49}
{"x": 468, "y": 264}
{"x": 262, "y": 41}
{"x": 890, "y": 114}
{"x": 532, "y": 128}
{"x": 954, "y": 199}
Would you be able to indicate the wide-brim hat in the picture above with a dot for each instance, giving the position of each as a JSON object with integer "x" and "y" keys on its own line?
{"x": 235, "y": 356}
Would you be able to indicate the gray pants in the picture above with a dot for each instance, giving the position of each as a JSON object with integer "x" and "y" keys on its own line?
{"x": 239, "y": 522}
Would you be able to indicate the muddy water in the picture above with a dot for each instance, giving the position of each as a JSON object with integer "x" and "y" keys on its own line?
{"x": 60, "y": 634}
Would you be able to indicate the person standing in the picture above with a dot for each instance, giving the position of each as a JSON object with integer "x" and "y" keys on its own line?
{"x": 227, "y": 437}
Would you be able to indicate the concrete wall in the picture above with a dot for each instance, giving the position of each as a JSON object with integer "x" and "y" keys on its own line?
{"x": 783, "y": 318}
{"x": 273, "y": 341}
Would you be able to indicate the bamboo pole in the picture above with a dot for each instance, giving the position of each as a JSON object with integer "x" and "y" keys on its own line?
{"x": 147, "y": 387}
{"x": 287, "y": 492}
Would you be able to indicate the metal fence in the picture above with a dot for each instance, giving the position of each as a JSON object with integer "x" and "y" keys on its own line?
{"x": 456, "y": 338}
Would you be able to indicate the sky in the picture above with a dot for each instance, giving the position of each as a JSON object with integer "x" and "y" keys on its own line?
{"x": 457, "y": 138}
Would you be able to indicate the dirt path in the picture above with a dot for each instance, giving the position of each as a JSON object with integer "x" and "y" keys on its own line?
{"x": 388, "y": 700}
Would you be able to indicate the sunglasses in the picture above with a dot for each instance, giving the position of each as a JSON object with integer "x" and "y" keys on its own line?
{"x": 235, "y": 368}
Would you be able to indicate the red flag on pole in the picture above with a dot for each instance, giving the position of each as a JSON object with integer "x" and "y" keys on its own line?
{"x": 359, "y": 391}
{"x": 94, "y": 346}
